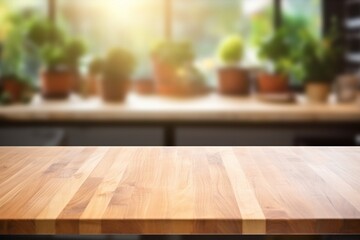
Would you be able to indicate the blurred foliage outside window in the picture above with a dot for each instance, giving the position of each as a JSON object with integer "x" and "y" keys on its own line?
{"x": 300, "y": 14}
{"x": 303, "y": 14}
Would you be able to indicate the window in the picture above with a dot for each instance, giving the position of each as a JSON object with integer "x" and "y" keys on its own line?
{"x": 303, "y": 13}
{"x": 138, "y": 24}
{"x": 111, "y": 23}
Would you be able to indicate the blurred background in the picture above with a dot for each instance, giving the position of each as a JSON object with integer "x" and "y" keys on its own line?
{"x": 180, "y": 72}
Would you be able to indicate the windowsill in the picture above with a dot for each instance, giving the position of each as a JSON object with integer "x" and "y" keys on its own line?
{"x": 212, "y": 107}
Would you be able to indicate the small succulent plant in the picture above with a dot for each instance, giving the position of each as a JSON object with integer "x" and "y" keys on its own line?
{"x": 278, "y": 51}
{"x": 319, "y": 58}
{"x": 231, "y": 50}
{"x": 118, "y": 65}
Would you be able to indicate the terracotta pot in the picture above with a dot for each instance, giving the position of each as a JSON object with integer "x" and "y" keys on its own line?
{"x": 181, "y": 90}
{"x": 165, "y": 77}
{"x": 114, "y": 90}
{"x": 318, "y": 92}
{"x": 144, "y": 86}
{"x": 56, "y": 84}
{"x": 91, "y": 85}
{"x": 272, "y": 83}
{"x": 168, "y": 83}
{"x": 233, "y": 81}
{"x": 14, "y": 88}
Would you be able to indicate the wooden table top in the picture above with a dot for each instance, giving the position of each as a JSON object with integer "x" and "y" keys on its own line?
{"x": 209, "y": 108}
{"x": 245, "y": 190}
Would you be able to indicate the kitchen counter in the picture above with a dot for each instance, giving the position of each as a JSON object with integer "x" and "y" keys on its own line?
{"x": 210, "y": 108}
{"x": 155, "y": 190}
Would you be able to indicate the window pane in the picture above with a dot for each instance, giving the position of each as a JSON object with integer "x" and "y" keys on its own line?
{"x": 205, "y": 23}
{"x": 305, "y": 12}
{"x": 135, "y": 25}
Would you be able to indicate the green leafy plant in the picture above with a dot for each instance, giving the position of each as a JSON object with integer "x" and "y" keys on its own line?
{"x": 278, "y": 51}
{"x": 43, "y": 32}
{"x": 12, "y": 72}
{"x": 13, "y": 49}
{"x": 61, "y": 57}
{"x": 57, "y": 50}
{"x": 231, "y": 50}
{"x": 16, "y": 85}
{"x": 12, "y": 64}
{"x": 118, "y": 65}
{"x": 74, "y": 49}
{"x": 319, "y": 59}
{"x": 174, "y": 53}
{"x": 12, "y": 55}
{"x": 18, "y": 35}
{"x": 54, "y": 58}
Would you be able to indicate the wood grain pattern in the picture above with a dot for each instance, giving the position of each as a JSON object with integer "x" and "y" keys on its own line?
{"x": 209, "y": 108}
{"x": 155, "y": 190}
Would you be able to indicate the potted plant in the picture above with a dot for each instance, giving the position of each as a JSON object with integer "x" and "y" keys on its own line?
{"x": 48, "y": 39}
{"x": 233, "y": 80}
{"x": 17, "y": 88}
{"x": 116, "y": 72}
{"x": 319, "y": 60}
{"x": 60, "y": 55}
{"x": 74, "y": 49}
{"x": 40, "y": 32}
{"x": 56, "y": 77}
{"x": 174, "y": 72}
{"x": 278, "y": 55}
